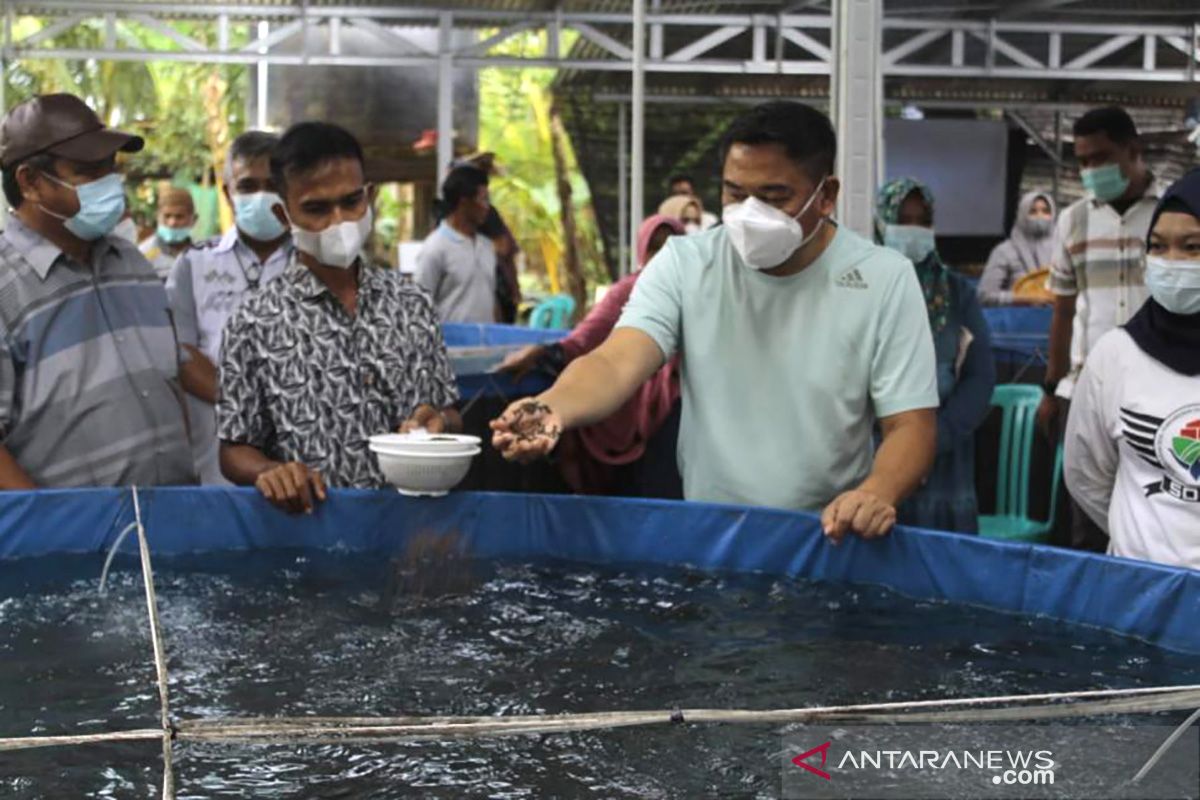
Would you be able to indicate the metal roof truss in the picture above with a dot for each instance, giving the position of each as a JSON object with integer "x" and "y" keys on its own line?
{"x": 727, "y": 44}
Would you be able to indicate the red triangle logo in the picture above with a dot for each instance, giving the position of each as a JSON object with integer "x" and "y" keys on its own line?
{"x": 801, "y": 760}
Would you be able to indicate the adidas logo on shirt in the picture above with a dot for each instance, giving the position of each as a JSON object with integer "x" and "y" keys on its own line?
{"x": 852, "y": 280}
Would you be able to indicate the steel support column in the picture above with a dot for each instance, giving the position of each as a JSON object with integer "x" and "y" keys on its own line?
{"x": 260, "y": 115}
{"x": 637, "y": 166}
{"x": 1058, "y": 161}
{"x": 445, "y": 97}
{"x": 857, "y": 98}
{"x": 623, "y": 228}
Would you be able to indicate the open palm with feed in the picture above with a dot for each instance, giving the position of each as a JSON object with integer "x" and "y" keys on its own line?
{"x": 528, "y": 429}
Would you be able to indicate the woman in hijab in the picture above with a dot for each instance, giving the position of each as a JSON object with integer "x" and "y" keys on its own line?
{"x": 1027, "y": 249}
{"x": 966, "y": 373}
{"x": 687, "y": 209}
{"x": 632, "y": 452}
{"x": 1133, "y": 434}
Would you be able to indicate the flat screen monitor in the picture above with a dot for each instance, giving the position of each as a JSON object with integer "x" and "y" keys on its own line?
{"x": 963, "y": 161}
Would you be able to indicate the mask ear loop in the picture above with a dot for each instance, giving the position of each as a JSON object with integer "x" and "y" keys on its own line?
{"x": 286, "y": 215}
{"x": 820, "y": 222}
{"x": 65, "y": 185}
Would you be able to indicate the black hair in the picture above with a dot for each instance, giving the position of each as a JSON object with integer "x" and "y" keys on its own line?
{"x": 805, "y": 134}
{"x": 307, "y": 145}
{"x": 1112, "y": 121}
{"x": 247, "y": 147}
{"x": 461, "y": 184}
{"x": 494, "y": 227}
{"x": 680, "y": 178}
{"x": 42, "y": 162}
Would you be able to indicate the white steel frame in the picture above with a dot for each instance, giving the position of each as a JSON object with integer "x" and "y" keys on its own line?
{"x": 780, "y": 44}
{"x": 759, "y": 38}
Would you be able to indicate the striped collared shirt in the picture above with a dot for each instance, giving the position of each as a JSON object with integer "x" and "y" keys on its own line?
{"x": 89, "y": 391}
{"x": 1099, "y": 257}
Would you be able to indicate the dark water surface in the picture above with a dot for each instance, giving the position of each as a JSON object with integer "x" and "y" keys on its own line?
{"x": 314, "y": 633}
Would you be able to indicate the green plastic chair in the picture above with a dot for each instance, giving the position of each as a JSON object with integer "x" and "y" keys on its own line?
{"x": 1019, "y": 403}
{"x": 553, "y": 313}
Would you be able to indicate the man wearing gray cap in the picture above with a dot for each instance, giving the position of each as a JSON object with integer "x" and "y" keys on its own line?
{"x": 89, "y": 392}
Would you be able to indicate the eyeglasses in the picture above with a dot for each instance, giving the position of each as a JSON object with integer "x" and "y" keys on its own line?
{"x": 349, "y": 203}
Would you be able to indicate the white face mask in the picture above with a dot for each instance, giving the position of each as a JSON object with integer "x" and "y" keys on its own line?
{"x": 126, "y": 229}
{"x": 338, "y": 245}
{"x": 915, "y": 242}
{"x": 691, "y": 227}
{"x": 1174, "y": 285}
{"x": 764, "y": 236}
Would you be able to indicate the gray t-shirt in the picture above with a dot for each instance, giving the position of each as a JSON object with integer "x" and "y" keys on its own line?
{"x": 460, "y": 275}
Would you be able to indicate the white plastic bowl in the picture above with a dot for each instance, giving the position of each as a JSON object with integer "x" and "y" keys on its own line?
{"x": 423, "y": 443}
{"x": 424, "y": 474}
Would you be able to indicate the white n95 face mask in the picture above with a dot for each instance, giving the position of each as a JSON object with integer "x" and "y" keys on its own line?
{"x": 1174, "y": 285}
{"x": 764, "y": 236}
{"x": 339, "y": 245}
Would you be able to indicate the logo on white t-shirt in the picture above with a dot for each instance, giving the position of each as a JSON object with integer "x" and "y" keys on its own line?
{"x": 851, "y": 280}
{"x": 1171, "y": 444}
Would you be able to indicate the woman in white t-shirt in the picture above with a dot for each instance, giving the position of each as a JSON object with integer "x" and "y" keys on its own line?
{"x": 1133, "y": 434}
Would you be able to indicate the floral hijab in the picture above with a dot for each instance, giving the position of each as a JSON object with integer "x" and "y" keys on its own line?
{"x": 932, "y": 273}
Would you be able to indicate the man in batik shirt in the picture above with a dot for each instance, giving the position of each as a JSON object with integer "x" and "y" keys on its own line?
{"x": 335, "y": 349}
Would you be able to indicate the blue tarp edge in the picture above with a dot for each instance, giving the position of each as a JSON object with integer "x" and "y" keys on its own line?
{"x": 1152, "y": 602}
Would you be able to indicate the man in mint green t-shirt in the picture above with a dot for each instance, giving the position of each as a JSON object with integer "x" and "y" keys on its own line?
{"x": 797, "y": 336}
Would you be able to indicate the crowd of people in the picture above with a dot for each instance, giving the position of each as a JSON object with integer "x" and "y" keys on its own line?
{"x": 772, "y": 357}
{"x": 268, "y": 356}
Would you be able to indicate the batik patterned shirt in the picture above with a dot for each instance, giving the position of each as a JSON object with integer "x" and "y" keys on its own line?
{"x": 303, "y": 380}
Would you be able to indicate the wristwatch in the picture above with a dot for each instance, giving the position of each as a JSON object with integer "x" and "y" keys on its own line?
{"x": 1050, "y": 387}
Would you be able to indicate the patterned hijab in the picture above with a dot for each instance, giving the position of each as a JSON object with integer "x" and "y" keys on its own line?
{"x": 932, "y": 273}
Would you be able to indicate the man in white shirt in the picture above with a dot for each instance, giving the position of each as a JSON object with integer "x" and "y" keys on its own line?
{"x": 457, "y": 263}
{"x": 1097, "y": 270}
{"x": 209, "y": 282}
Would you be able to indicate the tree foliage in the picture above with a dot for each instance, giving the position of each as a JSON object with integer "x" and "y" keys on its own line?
{"x": 187, "y": 112}
{"x": 516, "y": 124}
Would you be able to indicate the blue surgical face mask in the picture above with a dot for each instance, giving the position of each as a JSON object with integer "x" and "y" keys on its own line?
{"x": 101, "y": 206}
{"x": 916, "y": 242}
{"x": 172, "y": 235}
{"x": 253, "y": 215}
{"x": 1175, "y": 285}
{"x": 1105, "y": 183}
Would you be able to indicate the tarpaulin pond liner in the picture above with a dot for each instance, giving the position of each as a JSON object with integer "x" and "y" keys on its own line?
{"x": 476, "y": 350}
{"x": 1155, "y": 603}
